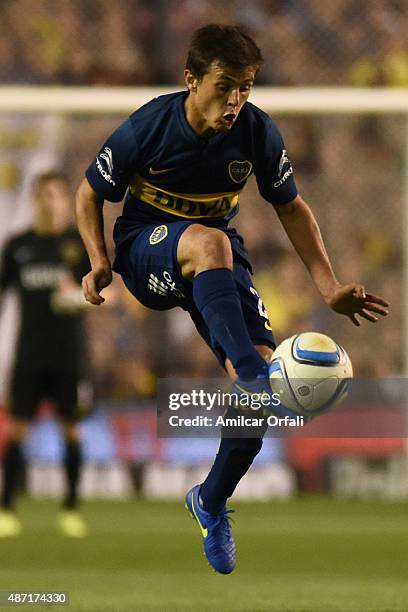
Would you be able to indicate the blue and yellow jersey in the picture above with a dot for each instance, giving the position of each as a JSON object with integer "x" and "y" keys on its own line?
{"x": 170, "y": 173}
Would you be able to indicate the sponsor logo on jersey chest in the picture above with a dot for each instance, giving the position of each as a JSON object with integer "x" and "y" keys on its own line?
{"x": 41, "y": 276}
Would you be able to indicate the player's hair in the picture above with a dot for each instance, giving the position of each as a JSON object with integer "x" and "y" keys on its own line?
{"x": 45, "y": 177}
{"x": 229, "y": 45}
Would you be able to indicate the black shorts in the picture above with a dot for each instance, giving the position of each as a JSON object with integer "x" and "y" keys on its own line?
{"x": 30, "y": 386}
{"x": 150, "y": 270}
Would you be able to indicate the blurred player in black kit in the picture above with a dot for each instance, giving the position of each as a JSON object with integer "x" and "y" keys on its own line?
{"x": 44, "y": 265}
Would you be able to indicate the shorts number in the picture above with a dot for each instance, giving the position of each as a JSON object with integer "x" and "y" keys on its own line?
{"x": 261, "y": 308}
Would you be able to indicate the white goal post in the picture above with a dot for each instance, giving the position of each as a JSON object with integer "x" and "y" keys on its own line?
{"x": 284, "y": 101}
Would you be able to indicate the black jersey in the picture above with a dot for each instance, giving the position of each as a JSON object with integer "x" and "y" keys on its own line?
{"x": 35, "y": 265}
{"x": 171, "y": 173}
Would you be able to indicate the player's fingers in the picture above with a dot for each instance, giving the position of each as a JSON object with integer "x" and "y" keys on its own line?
{"x": 367, "y": 315}
{"x": 87, "y": 292}
{"x": 374, "y": 308}
{"x": 354, "y": 320}
{"x": 94, "y": 298}
{"x": 90, "y": 292}
{"x": 377, "y": 300}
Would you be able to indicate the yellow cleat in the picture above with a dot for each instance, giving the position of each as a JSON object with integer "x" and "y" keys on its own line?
{"x": 72, "y": 525}
{"x": 10, "y": 526}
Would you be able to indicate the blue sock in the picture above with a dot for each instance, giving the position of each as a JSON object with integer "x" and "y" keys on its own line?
{"x": 233, "y": 460}
{"x": 216, "y": 297}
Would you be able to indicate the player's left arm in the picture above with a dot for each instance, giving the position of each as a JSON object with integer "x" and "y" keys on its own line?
{"x": 303, "y": 231}
{"x": 8, "y": 270}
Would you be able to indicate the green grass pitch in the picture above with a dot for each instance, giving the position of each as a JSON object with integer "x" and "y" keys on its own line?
{"x": 306, "y": 555}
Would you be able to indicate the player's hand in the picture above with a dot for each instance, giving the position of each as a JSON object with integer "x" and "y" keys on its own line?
{"x": 68, "y": 298}
{"x": 94, "y": 282}
{"x": 352, "y": 300}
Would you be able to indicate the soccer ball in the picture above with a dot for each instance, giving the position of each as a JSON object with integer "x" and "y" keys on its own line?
{"x": 311, "y": 373}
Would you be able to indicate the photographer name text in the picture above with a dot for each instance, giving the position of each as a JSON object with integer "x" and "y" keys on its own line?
{"x": 238, "y": 421}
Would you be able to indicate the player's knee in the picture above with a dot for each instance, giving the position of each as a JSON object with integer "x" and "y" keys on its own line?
{"x": 211, "y": 248}
{"x": 17, "y": 429}
{"x": 265, "y": 351}
{"x": 203, "y": 248}
{"x": 71, "y": 432}
{"x": 216, "y": 251}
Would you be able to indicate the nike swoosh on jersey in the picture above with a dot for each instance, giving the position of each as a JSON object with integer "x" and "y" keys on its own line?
{"x": 204, "y": 530}
{"x": 152, "y": 171}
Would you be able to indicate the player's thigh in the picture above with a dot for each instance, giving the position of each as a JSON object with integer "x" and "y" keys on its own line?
{"x": 63, "y": 392}
{"x": 71, "y": 429}
{"x": 26, "y": 391}
{"x": 150, "y": 270}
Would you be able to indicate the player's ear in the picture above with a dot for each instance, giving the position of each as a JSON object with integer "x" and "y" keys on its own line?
{"x": 190, "y": 80}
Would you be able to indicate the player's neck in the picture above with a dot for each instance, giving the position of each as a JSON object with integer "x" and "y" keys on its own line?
{"x": 46, "y": 228}
{"x": 196, "y": 119}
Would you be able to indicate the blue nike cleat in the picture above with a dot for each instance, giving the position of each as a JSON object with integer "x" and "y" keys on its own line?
{"x": 219, "y": 545}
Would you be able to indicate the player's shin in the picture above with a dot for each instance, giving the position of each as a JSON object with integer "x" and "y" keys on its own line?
{"x": 12, "y": 463}
{"x": 217, "y": 298}
{"x": 72, "y": 464}
{"x": 234, "y": 458}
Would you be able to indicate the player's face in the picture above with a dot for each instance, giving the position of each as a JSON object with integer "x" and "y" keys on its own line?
{"x": 218, "y": 97}
{"x": 53, "y": 205}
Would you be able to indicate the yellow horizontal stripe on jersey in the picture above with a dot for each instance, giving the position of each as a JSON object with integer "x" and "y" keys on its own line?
{"x": 186, "y": 205}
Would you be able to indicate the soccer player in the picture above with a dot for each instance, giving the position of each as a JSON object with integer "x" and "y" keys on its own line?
{"x": 45, "y": 265}
{"x": 182, "y": 160}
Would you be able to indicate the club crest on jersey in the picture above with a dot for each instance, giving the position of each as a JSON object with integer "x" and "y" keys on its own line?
{"x": 239, "y": 170}
{"x": 158, "y": 234}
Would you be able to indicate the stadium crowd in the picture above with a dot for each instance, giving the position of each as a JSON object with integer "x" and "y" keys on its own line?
{"x": 83, "y": 42}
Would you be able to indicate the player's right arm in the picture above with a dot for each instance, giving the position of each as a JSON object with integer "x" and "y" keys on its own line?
{"x": 277, "y": 185}
{"x": 8, "y": 269}
{"x": 89, "y": 214}
{"x": 107, "y": 178}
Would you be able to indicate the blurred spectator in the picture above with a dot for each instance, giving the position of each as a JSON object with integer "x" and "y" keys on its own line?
{"x": 44, "y": 266}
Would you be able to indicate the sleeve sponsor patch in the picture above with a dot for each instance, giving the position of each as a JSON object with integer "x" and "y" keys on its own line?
{"x": 284, "y": 170}
{"x": 107, "y": 158}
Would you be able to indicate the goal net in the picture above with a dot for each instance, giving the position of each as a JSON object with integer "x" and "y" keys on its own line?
{"x": 349, "y": 151}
